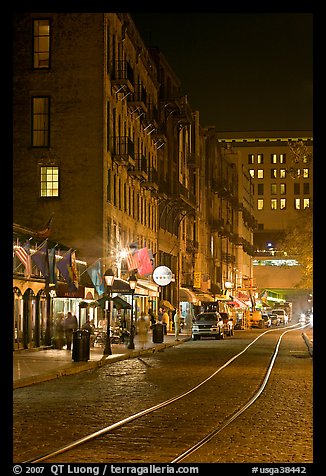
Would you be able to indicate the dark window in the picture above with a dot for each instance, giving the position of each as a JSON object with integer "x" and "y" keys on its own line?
{"x": 296, "y": 189}
{"x": 40, "y": 121}
{"x": 260, "y": 189}
{"x": 306, "y": 188}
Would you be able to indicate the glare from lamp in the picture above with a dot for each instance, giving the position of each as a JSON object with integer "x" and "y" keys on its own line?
{"x": 109, "y": 277}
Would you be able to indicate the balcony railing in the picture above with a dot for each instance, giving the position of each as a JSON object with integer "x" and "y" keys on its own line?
{"x": 123, "y": 150}
{"x": 123, "y": 75}
{"x": 152, "y": 179}
{"x": 139, "y": 170}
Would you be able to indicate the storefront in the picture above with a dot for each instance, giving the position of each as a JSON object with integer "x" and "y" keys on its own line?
{"x": 31, "y": 315}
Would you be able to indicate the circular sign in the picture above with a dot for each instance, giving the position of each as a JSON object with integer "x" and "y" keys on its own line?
{"x": 162, "y": 275}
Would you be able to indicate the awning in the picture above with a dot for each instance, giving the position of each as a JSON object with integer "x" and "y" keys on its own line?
{"x": 151, "y": 288}
{"x": 118, "y": 302}
{"x": 201, "y": 296}
{"x": 185, "y": 295}
{"x": 238, "y": 303}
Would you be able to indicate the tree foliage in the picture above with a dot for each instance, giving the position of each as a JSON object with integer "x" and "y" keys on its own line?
{"x": 298, "y": 244}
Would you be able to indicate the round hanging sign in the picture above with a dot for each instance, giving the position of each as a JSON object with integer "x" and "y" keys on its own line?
{"x": 162, "y": 275}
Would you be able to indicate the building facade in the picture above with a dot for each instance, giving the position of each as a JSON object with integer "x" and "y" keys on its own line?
{"x": 280, "y": 164}
{"x": 106, "y": 144}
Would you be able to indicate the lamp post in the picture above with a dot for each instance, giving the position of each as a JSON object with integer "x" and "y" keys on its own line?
{"x": 109, "y": 280}
{"x": 132, "y": 283}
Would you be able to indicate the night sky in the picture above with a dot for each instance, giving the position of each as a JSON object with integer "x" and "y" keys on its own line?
{"x": 241, "y": 71}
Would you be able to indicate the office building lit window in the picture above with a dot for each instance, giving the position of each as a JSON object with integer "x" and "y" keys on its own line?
{"x": 252, "y": 173}
{"x": 49, "y": 181}
{"x": 297, "y": 203}
{"x": 41, "y": 44}
{"x": 260, "y": 159}
{"x": 283, "y": 188}
{"x": 283, "y": 203}
{"x": 273, "y": 189}
{"x": 282, "y": 158}
{"x": 305, "y": 173}
{"x": 282, "y": 173}
{"x": 260, "y": 173}
{"x": 306, "y": 202}
{"x": 274, "y": 204}
{"x": 260, "y": 204}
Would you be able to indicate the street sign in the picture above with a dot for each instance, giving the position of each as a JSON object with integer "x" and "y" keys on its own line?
{"x": 162, "y": 275}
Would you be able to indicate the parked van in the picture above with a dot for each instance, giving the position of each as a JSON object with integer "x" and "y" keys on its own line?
{"x": 282, "y": 314}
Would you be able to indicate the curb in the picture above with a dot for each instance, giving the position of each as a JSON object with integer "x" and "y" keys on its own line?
{"x": 78, "y": 367}
{"x": 309, "y": 343}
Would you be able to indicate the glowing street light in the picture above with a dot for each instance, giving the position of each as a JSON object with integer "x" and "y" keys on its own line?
{"x": 132, "y": 283}
{"x": 109, "y": 280}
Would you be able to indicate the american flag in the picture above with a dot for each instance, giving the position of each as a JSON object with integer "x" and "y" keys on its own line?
{"x": 132, "y": 260}
{"x": 24, "y": 255}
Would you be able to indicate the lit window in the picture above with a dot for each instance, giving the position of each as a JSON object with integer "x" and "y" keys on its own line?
{"x": 260, "y": 173}
{"x": 260, "y": 204}
{"x": 252, "y": 173}
{"x": 41, "y": 44}
{"x": 273, "y": 158}
{"x": 260, "y": 159}
{"x": 306, "y": 202}
{"x": 282, "y": 173}
{"x": 282, "y": 159}
{"x": 283, "y": 203}
{"x": 251, "y": 158}
{"x": 305, "y": 173}
{"x": 282, "y": 188}
{"x": 49, "y": 181}
{"x": 273, "y": 173}
{"x": 40, "y": 121}
{"x": 274, "y": 204}
{"x": 297, "y": 203}
{"x": 273, "y": 189}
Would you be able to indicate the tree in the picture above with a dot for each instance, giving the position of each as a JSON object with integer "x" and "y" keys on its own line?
{"x": 298, "y": 244}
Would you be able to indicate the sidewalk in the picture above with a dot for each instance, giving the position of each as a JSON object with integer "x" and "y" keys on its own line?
{"x": 34, "y": 365}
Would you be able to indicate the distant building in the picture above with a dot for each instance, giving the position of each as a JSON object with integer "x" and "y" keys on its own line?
{"x": 280, "y": 164}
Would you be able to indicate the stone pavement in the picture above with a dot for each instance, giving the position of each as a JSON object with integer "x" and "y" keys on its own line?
{"x": 32, "y": 366}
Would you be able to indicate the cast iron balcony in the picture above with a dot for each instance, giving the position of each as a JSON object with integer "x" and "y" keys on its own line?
{"x": 123, "y": 150}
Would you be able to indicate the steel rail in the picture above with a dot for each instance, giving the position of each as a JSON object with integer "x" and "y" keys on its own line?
{"x": 147, "y": 411}
{"x": 221, "y": 427}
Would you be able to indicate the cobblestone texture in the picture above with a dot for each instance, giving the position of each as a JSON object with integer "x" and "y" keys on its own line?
{"x": 276, "y": 428}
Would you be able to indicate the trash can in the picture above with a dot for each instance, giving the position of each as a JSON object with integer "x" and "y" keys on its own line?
{"x": 80, "y": 345}
{"x": 158, "y": 333}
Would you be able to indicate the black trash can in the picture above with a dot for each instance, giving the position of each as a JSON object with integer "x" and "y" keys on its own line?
{"x": 158, "y": 333}
{"x": 80, "y": 345}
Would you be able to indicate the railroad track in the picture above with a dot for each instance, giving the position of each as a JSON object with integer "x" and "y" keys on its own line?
{"x": 71, "y": 450}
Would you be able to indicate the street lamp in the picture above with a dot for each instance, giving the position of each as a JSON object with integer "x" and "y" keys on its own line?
{"x": 109, "y": 280}
{"x": 132, "y": 283}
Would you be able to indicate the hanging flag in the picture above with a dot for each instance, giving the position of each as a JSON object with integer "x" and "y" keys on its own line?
{"x": 95, "y": 273}
{"x": 74, "y": 270}
{"x": 144, "y": 262}
{"x": 52, "y": 268}
{"x": 41, "y": 259}
{"x": 45, "y": 233}
{"x": 65, "y": 268}
{"x": 24, "y": 255}
{"x": 133, "y": 247}
{"x": 132, "y": 260}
